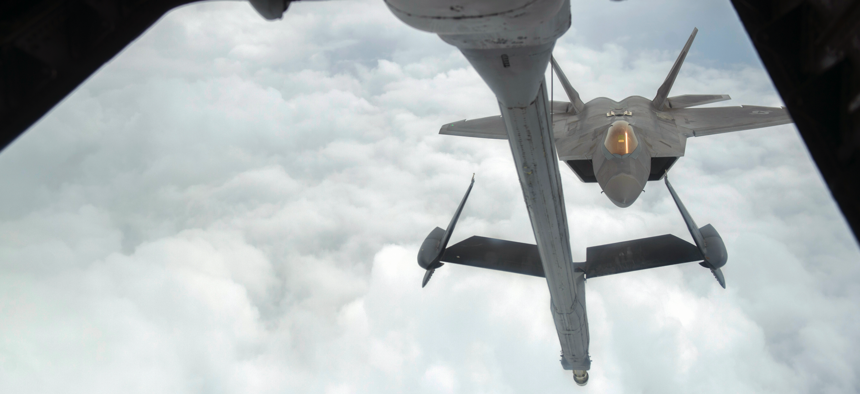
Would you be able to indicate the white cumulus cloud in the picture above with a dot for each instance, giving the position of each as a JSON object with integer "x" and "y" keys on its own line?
{"x": 234, "y": 206}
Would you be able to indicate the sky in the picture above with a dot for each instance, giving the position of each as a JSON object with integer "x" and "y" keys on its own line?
{"x": 233, "y": 205}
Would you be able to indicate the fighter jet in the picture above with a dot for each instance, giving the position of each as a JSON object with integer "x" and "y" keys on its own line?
{"x": 622, "y": 145}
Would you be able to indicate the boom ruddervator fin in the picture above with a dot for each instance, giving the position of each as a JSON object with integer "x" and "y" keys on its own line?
{"x": 602, "y": 260}
{"x": 434, "y": 245}
{"x": 572, "y": 94}
{"x": 659, "y": 102}
{"x": 707, "y": 239}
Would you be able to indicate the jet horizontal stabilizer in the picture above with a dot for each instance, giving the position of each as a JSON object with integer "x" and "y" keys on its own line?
{"x": 492, "y": 127}
{"x": 617, "y": 258}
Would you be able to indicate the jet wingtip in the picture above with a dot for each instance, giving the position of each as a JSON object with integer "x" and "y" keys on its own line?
{"x": 446, "y": 128}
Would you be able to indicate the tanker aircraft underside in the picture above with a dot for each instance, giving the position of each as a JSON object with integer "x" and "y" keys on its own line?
{"x": 509, "y": 43}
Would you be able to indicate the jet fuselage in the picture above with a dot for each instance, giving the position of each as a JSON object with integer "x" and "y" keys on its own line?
{"x": 622, "y": 161}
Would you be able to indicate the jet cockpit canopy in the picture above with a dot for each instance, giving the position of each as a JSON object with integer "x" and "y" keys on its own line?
{"x": 620, "y": 139}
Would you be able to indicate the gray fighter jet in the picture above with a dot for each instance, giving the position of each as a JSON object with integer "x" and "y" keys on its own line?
{"x": 509, "y": 43}
{"x": 621, "y": 145}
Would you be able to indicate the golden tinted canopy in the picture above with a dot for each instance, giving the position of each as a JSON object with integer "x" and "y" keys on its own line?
{"x": 620, "y": 139}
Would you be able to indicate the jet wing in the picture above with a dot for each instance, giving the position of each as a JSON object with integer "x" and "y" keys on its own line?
{"x": 707, "y": 121}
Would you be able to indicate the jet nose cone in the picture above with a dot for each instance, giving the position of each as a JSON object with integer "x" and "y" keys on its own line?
{"x": 622, "y": 190}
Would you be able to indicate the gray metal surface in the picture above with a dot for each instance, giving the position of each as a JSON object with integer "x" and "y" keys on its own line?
{"x": 496, "y": 254}
{"x": 509, "y": 43}
{"x": 639, "y": 254}
{"x": 603, "y": 260}
{"x": 692, "y": 100}
{"x": 571, "y": 93}
{"x": 492, "y": 127}
{"x": 708, "y": 121}
{"x": 688, "y": 220}
{"x": 659, "y": 101}
{"x": 530, "y": 139}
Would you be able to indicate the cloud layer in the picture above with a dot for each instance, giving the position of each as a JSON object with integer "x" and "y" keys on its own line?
{"x": 235, "y": 205}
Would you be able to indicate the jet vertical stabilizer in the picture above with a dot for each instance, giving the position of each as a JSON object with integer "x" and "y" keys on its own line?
{"x": 659, "y": 101}
{"x": 572, "y": 94}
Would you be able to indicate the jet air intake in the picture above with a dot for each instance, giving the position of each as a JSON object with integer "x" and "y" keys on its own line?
{"x": 624, "y": 165}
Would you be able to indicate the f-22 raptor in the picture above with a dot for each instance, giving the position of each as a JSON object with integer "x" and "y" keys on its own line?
{"x": 510, "y": 43}
{"x": 621, "y": 145}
